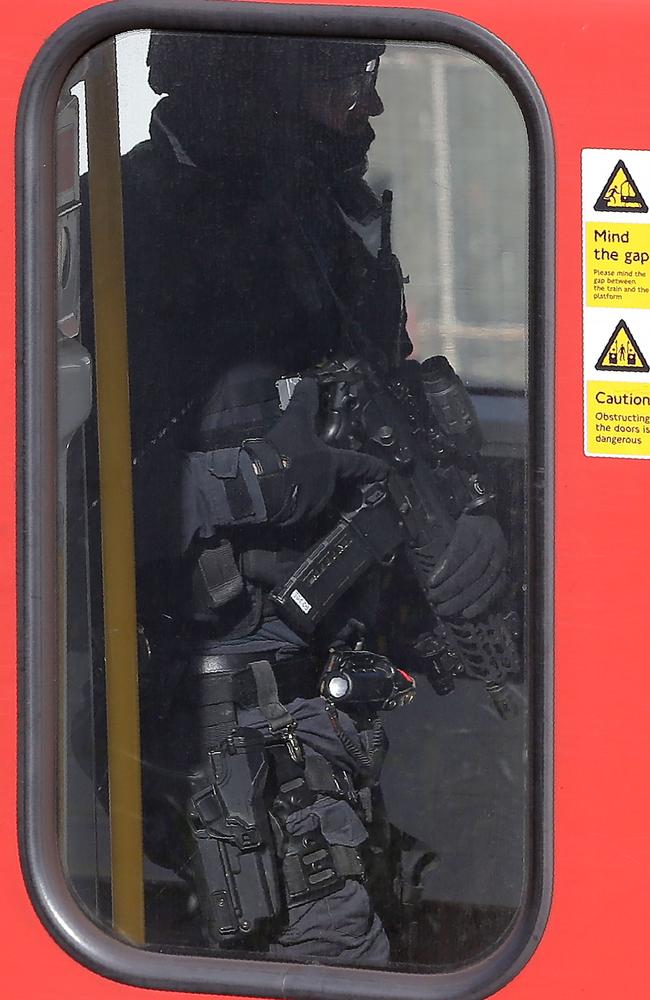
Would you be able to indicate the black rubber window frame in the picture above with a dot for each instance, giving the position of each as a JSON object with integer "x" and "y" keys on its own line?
{"x": 37, "y": 579}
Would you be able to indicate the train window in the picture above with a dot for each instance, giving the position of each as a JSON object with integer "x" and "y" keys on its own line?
{"x": 298, "y": 411}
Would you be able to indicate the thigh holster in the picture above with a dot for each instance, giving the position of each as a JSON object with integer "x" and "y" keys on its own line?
{"x": 259, "y": 847}
{"x": 237, "y": 871}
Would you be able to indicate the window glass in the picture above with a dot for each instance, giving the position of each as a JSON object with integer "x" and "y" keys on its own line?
{"x": 293, "y": 509}
{"x": 462, "y": 220}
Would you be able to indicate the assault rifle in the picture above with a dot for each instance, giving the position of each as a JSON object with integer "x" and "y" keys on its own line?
{"x": 421, "y": 421}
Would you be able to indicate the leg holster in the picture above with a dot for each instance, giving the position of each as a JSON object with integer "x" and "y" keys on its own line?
{"x": 253, "y": 857}
{"x": 237, "y": 872}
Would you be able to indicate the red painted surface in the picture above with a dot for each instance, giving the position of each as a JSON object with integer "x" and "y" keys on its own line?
{"x": 590, "y": 59}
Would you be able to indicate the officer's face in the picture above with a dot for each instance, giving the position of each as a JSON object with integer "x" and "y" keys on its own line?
{"x": 345, "y": 103}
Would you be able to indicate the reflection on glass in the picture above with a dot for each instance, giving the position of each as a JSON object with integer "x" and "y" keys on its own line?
{"x": 461, "y": 221}
{"x": 330, "y": 529}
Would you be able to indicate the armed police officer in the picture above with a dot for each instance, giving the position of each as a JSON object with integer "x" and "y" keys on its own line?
{"x": 254, "y": 257}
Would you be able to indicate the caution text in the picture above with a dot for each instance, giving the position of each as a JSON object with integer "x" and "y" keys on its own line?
{"x": 618, "y": 419}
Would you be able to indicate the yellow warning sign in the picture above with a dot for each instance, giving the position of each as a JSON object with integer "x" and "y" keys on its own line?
{"x": 618, "y": 419}
{"x": 622, "y": 353}
{"x": 617, "y": 262}
{"x": 621, "y": 193}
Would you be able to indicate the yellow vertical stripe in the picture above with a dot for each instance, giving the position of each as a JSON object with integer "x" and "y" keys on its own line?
{"x": 118, "y": 555}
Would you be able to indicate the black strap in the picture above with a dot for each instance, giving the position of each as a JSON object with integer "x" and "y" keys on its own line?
{"x": 268, "y": 699}
{"x": 239, "y": 498}
{"x": 295, "y": 677}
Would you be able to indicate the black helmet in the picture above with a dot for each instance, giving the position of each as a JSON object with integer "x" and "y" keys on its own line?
{"x": 272, "y": 65}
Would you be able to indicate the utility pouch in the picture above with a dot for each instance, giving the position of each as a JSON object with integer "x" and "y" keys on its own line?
{"x": 217, "y": 579}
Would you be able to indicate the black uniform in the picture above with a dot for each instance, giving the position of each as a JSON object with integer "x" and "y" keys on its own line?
{"x": 241, "y": 270}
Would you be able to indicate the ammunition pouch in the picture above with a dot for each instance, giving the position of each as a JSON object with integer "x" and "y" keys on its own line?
{"x": 313, "y": 868}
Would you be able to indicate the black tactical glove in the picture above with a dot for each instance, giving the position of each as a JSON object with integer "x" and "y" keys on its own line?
{"x": 297, "y": 472}
{"x": 471, "y": 572}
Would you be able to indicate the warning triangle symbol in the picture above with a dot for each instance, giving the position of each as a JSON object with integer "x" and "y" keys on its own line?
{"x": 621, "y": 193}
{"x": 622, "y": 353}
